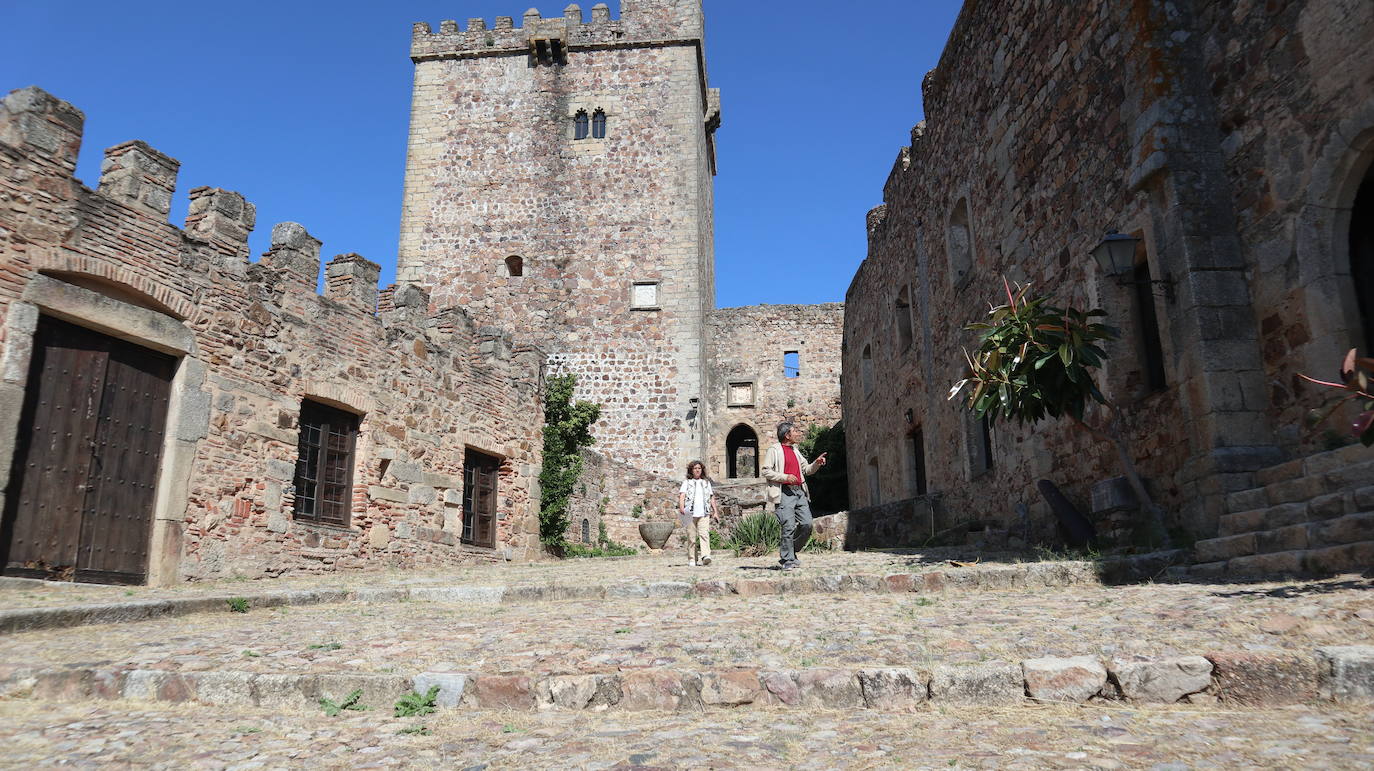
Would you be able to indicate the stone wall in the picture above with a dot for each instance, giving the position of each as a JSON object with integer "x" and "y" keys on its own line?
{"x": 253, "y": 340}
{"x": 622, "y": 498}
{"x": 494, "y": 172}
{"x": 1230, "y": 137}
{"x": 747, "y": 383}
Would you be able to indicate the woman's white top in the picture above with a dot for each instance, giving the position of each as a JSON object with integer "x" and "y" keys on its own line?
{"x": 698, "y": 492}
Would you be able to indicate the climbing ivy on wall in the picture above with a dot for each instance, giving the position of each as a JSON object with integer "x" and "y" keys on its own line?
{"x": 567, "y": 429}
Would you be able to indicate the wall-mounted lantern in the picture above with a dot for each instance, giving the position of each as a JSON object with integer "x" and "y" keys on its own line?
{"x": 1115, "y": 256}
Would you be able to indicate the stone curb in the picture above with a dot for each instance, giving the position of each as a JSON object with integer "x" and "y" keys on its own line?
{"x": 1036, "y": 574}
{"x": 1339, "y": 674}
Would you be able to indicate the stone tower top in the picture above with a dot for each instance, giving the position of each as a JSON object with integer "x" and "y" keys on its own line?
{"x": 641, "y": 21}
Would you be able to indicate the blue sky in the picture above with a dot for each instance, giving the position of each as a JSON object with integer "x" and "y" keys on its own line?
{"x": 303, "y": 108}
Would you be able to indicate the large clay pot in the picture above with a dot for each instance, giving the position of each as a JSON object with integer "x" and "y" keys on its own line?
{"x": 655, "y": 534}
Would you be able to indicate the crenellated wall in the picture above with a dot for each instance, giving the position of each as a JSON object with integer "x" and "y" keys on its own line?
{"x": 1230, "y": 137}
{"x": 252, "y": 340}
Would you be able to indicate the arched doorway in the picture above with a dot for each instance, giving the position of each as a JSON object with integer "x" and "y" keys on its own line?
{"x": 1362, "y": 257}
{"x": 742, "y": 453}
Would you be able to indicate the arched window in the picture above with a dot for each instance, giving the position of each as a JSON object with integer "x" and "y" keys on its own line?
{"x": 515, "y": 266}
{"x": 599, "y": 124}
{"x": 960, "y": 243}
{"x": 866, "y": 369}
{"x": 742, "y": 453}
{"x": 1362, "y": 256}
{"x": 580, "y": 125}
{"x": 586, "y": 531}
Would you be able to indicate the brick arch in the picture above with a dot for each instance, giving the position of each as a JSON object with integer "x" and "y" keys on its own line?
{"x": 157, "y": 295}
{"x": 343, "y": 397}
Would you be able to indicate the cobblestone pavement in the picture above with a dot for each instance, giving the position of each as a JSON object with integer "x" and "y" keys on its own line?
{"x": 44, "y": 735}
{"x": 646, "y": 568}
{"x": 722, "y": 632}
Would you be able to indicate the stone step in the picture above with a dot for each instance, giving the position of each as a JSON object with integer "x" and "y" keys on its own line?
{"x": 1323, "y": 559}
{"x": 1284, "y": 537}
{"x": 972, "y": 577}
{"x": 1341, "y": 674}
{"x": 1349, "y": 470}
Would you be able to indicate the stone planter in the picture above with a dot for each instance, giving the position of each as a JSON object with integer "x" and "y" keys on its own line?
{"x": 655, "y": 534}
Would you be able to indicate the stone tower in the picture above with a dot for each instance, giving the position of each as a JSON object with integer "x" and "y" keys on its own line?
{"x": 559, "y": 182}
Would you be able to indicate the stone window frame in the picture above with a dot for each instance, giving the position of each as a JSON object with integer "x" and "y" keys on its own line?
{"x": 906, "y": 328}
{"x": 866, "y": 374}
{"x": 657, "y": 305}
{"x": 960, "y": 261}
{"x": 590, "y": 110}
{"x": 333, "y": 413}
{"x": 730, "y": 387}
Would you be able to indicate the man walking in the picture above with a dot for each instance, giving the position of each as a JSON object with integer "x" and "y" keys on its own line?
{"x": 785, "y": 470}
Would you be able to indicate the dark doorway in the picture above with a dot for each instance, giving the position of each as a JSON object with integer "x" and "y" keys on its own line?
{"x": 480, "y": 472}
{"x": 918, "y": 460}
{"x": 1362, "y": 256}
{"x": 85, "y": 468}
{"x": 742, "y": 453}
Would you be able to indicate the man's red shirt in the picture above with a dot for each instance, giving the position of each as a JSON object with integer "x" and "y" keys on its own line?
{"x": 790, "y": 465}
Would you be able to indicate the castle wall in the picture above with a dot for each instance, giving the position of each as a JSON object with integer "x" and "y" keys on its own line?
{"x": 494, "y": 172}
{"x": 1217, "y": 132}
{"x": 253, "y": 341}
{"x": 746, "y": 356}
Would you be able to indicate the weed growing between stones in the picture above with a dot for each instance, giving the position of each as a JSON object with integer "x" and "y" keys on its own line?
{"x": 414, "y": 704}
{"x": 238, "y": 604}
{"x": 329, "y": 646}
{"x": 350, "y": 702}
{"x": 415, "y": 730}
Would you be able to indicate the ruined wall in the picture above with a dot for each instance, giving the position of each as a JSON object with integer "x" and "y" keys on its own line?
{"x": 253, "y": 340}
{"x": 1185, "y": 124}
{"x": 746, "y": 383}
{"x": 622, "y": 498}
{"x": 494, "y": 172}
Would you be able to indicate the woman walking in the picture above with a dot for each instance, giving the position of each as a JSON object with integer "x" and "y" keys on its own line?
{"x": 697, "y": 502}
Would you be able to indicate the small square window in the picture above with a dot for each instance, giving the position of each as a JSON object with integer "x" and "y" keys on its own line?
{"x": 741, "y": 394}
{"x": 644, "y": 295}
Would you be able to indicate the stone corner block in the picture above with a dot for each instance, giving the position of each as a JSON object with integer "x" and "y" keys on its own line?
{"x": 451, "y": 686}
{"x": 993, "y": 684}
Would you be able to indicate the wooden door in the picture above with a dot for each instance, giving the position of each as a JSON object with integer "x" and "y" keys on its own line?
{"x": 479, "y": 498}
{"x": 85, "y": 471}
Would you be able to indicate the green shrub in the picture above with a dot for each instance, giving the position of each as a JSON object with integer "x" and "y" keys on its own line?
{"x": 718, "y": 541}
{"x": 238, "y": 604}
{"x": 830, "y": 485}
{"x": 416, "y": 703}
{"x": 607, "y": 548}
{"x": 567, "y": 429}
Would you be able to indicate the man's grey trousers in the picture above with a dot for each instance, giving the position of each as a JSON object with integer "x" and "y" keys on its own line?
{"x": 794, "y": 512}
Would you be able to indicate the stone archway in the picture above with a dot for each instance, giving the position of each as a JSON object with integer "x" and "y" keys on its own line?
{"x": 742, "y": 453}
{"x": 1362, "y": 256}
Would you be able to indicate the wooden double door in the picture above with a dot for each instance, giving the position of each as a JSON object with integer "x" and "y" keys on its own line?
{"x": 81, "y": 495}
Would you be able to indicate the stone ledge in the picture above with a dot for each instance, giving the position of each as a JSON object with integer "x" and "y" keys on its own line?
{"x": 1341, "y": 674}
{"x": 1050, "y": 574}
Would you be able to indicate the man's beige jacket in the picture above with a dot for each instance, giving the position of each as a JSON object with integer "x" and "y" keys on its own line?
{"x": 772, "y": 472}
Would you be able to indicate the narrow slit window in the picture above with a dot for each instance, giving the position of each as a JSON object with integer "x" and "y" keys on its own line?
{"x": 581, "y": 124}
{"x": 918, "y": 460}
{"x": 599, "y": 124}
{"x": 791, "y": 364}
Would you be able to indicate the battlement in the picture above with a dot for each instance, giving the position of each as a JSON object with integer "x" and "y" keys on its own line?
{"x": 45, "y": 133}
{"x": 640, "y": 22}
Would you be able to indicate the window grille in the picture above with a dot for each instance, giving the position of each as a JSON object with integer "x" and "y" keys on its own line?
{"x": 324, "y": 464}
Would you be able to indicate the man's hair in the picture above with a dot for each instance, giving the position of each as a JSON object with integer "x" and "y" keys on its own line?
{"x": 785, "y": 428}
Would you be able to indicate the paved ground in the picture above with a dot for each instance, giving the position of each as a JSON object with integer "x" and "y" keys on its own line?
{"x": 1163, "y": 739}
{"x": 843, "y": 630}
{"x": 27, "y": 594}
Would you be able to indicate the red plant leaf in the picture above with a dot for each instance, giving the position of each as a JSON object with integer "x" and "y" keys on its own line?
{"x": 1362, "y": 423}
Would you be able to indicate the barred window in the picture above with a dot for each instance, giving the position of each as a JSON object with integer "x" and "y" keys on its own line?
{"x": 324, "y": 464}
